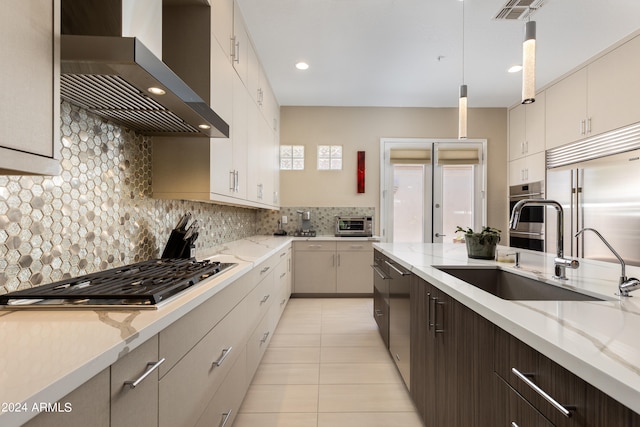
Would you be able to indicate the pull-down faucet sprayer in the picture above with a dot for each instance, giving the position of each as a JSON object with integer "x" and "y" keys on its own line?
{"x": 560, "y": 263}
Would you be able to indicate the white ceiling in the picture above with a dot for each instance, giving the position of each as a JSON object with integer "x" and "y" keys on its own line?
{"x": 385, "y": 52}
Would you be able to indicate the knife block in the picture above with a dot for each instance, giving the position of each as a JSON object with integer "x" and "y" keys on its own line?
{"x": 177, "y": 247}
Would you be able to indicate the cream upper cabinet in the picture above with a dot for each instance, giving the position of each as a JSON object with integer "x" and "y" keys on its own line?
{"x": 614, "y": 88}
{"x": 527, "y": 128}
{"x": 597, "y": 98}
{"x": 527, "y": 169}
{"x": 222, "y": 24}
{"x": 29, "y": 87}
{"x": 240, "y": 45}
{"x": 566, "y": 112}
{"x": 239, "y": 170}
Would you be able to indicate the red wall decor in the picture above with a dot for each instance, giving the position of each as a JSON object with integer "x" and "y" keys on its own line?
{"x": 361, "y": 170}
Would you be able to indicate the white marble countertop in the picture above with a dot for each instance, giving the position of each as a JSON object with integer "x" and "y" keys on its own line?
{"x": 46, "y": 354}
{"x": 598, "y": 341}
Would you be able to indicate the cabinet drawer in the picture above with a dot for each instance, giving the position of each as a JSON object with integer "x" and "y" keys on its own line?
{"x": 355, "y": 246}
{"x": 223, "y": 408}
{"x": 258, "y": 343}
{"x": 187, "y": 389}
{"x": 309, "y": 245}
{"x": 136, "y": 406}
{"x": 177, "y": 339}
{"x": 526, "y": 369}
{"x": 260, "y": 299}
{"x": 514, "y": 410}
{"x": 261, "y": 270}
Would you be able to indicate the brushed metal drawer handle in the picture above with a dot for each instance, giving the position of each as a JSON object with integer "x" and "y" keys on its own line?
{"x": 564, "y": 411}
{"x": 283, "y": 274}
{"x": 264, "y": 337}
{"x": 151, "y": 366}
{"x": 225, "y": 352}
{"x": 402, "y": 273}
{"x": 282, "y": 254}
{"x": 264, "y": 270}
{"x": 227, "y": 415}
{"x": 513, "y": 424}
{"x": 379, "y": 272}
{"x": 266, "y": 297}
{"x": 379, "y": 312}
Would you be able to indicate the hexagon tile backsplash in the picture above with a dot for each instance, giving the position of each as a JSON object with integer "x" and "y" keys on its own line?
{"x": 98, "y": 213}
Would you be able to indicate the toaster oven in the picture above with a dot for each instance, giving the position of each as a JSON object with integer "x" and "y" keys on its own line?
{"x": 354, "y": 226}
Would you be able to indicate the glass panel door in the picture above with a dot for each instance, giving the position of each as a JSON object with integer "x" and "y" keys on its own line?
{"x": 408, "y": 203}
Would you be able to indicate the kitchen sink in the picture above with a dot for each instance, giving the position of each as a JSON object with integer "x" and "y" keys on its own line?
{"x": 510, "y": 286}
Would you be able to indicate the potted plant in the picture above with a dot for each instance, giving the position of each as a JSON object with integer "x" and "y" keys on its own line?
{"x": 481, "y": 245}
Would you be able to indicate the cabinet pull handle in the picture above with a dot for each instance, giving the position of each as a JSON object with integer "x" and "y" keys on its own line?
{"x": 435, "y": 317}
{"x": 432, "y": 322}
{"x": 263, "y": 300}
{"x": 582, "y": 127}
{"x": 225, "y": 352}
{"x": 226, "y": 415}
{"x": 264, "y": 270}
{"x": 429, "y": 310}
{"x": 232, "y": 181}
{"x": 284, "y": 300}
{"x": 236, "y": 51}
{"x": 513, "y": 424}
{"x": 564, "y": 411}
{"x": 356, "y": 246}
{"x": 151, "y": 366}
{"x": 400, "y": 272}
{"x": 314, "y": 246}
{"x": 282, "y": 254}
{"x": 237, "y": 178}
{"x": 338, "y": 260}
{"x": 378, "y": 312}
{"x": 379, "y": 272}
{"x": 264, "y": 337}
{"x": 589, "y": 125}
{"x": 282, "y": 275}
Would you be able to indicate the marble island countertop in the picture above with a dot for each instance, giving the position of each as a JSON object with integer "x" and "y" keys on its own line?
{"x": 45, "y": 354}
{"x": 596, "y": 340}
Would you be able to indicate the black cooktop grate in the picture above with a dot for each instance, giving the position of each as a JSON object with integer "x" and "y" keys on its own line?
{"x": 146, "y": 282}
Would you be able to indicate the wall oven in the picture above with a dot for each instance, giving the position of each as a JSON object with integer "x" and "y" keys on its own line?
{"x": 530, "y": 231}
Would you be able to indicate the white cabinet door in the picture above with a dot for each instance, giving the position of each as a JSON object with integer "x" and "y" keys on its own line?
{"x": 240, "y": 52}
{"x": 136, "y": 407}
{"x": 29, "y": 87}
{"x": 535, "y": 125}
{"x": 240, "y": 137}
{"x": 566, "y": 110}
{"x": 354, "y": 274}
{"x": 614, "y": 88}
{"x": 89, "y": 405}
{"x": 517, "y": 132}
{"x": 314, "y": 267}
{"x": 222, "y": 24}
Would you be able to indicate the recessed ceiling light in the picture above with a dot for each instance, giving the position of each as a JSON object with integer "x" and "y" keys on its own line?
{"x": 204, "y": 126}
{"x": 302, "y": 66}
{"x": 515, "y": 68}
{"x": 156, "y": 91}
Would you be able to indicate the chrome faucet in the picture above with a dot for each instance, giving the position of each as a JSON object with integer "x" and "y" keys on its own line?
{"x": 560, "y": 262}
{"x": 625, "y": 285}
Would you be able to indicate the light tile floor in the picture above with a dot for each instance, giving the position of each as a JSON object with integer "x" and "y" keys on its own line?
{"x": 326, "y": 366}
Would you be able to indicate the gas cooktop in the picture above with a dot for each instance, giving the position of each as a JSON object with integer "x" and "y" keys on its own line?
{"x": 141, "y": 285}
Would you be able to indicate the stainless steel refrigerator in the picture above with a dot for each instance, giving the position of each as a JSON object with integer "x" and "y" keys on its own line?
{"x": 604, "y": 194}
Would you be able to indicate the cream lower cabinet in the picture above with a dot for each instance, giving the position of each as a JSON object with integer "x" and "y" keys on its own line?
{"x": 134, "y": 387}
{"x": 89, "y": 406}
{"x": 330, "y": 267}
{"x": 354, "y": 273}
{"x": 185, "y": 391}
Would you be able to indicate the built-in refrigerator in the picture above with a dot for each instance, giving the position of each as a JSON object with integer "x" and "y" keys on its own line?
{"x": 604, "y": 194}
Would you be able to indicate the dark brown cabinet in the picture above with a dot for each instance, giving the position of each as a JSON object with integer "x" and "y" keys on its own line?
{"x": 451, "y": 359}
{"x": 381, "y": 280}
{"x": 570, "y": 401}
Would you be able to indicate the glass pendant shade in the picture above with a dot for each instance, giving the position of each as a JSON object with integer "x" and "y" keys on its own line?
{"x": 529, "y": 63}
{"x": 462, "y": 113}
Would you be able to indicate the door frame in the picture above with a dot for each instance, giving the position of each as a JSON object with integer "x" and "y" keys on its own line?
{"x": 386, "y": 144}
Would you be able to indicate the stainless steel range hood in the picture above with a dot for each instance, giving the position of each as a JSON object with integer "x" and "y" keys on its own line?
{"x": 110, "y": 76}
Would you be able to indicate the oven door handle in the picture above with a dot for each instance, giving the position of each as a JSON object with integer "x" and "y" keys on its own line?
{"x": 525, "y": 196}
{"x": 526, "y": 233}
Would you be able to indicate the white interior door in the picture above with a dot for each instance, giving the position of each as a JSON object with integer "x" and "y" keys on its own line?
{"x": 428, "y": 188}
{"x": 458, "y": 189}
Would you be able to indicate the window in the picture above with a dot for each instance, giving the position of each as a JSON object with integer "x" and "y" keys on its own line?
{"x": 329, "y": 157}
{"x": 292, "y": 157}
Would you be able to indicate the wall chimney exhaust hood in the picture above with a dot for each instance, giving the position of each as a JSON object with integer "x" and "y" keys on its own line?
{"x": 118, "y": 77}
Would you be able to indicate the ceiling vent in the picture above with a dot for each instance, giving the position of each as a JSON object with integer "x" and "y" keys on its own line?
{"x": 518, "y": 9}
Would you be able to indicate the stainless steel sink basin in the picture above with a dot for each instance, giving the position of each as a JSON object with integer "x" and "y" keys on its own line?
{"x": 510, "y": 286}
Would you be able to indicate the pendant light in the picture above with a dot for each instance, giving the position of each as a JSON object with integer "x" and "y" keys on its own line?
{"x": 529, "y": 63}
{"x": 462, "y": 100}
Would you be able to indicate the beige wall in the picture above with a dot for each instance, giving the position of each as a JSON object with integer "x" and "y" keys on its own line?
{"x": 360, "y": 128}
